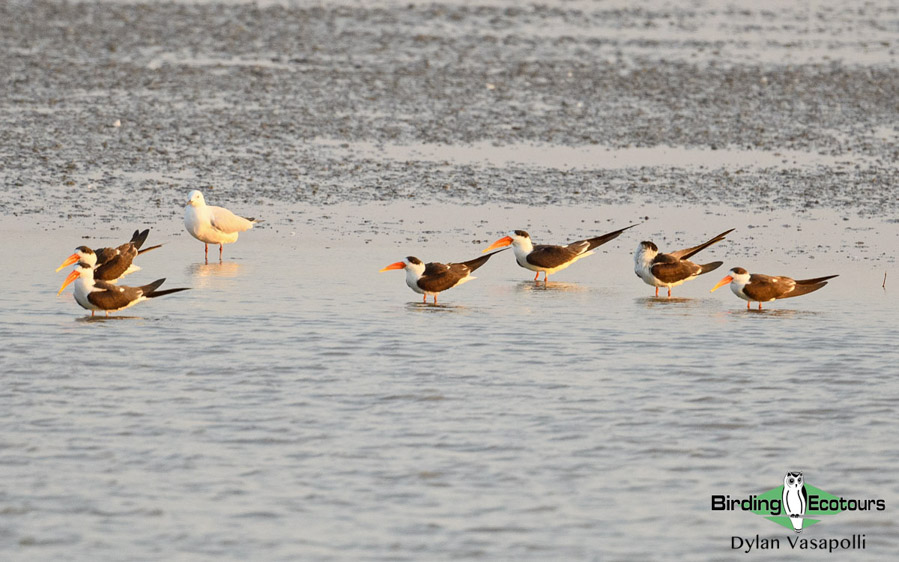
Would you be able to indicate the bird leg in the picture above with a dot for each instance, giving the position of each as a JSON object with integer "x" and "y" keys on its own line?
{"x": 748, "y": 305}
{"x": 435, "y": 298}
{"x": 207, "y": 251}
{"x": 537, "y": 277}
{"x": 221, "y": 247}
{"x": 92, "y": 313}
{"x": 669, "y": 292}
{"x": 424, "y": 298}
{"x": 760, "y": 305}
{"x": 657, "y": 291}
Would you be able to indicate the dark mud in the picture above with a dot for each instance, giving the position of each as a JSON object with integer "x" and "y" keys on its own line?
{"x": 110, "y": 102}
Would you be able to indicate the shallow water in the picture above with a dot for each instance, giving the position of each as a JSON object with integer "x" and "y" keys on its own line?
{"x": 296, "y": 404}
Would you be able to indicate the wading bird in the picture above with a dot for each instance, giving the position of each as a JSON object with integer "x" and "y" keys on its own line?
{"x": 432, "y": 278}
{"x": 765, "y": 288}
{"x": 113, "y": 263}
{"x": 548, "y": 258}
{"x": 213, "y": 225}
{"x": 95, "y": 295}
{"x": 671, "y": 270}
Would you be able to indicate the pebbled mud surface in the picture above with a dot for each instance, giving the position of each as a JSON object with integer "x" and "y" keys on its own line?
{"x": 112, "y": 107}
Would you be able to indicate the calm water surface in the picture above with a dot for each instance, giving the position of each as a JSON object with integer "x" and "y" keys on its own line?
{"x": 296, "y": 404}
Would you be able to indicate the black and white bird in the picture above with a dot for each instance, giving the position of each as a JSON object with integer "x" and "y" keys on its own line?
{"x": 670, "y": 270}
{"x": 95, "y": 295}
{"x": 549, "y": 258}
{"x": 432, "y": 278}
{"x": 766, "y": 288}
{"x": 213, "y": 225}
{"x": 113, "y": 263}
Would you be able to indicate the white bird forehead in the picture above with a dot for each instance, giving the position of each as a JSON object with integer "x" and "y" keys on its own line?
{"x": 195, "y": 194}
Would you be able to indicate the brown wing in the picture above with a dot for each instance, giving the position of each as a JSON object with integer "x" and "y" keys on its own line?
{"x": 764, "y": 288}
{"x": 686, "y": 253}
{"x": 440, "y": 277}
{"x": 600, "y": 240}
{"x": 112, "y": 297}
{"x": 668, "y": 269}
{"x": 104, "y": 255}
{"x": 544, "y": 255}
{"x": 115, "y": 267}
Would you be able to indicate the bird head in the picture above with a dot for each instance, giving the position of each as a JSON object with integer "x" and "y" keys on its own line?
{"x": 411, "y": 263}
{"x": 737, "y": 274}
{"x": 195, "y": 199}
{"x": 515, "y": 238}
{"x": 646, "y": 251}
{"x": 83, "y": 254}
{"x": 83, "y": 270}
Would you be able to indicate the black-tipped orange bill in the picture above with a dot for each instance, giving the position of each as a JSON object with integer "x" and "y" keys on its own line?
{"x": 722, "y": 283}
{"x": 72, "y": 276}
{"x": 69, "y": 261}
{"x": 504, "y": 241}
{"x": 397, "y": 265}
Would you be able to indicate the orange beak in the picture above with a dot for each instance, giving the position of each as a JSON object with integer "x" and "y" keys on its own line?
{"x": 69, "y": 261}
{"x": 722, "y": 283}
{"x": 72, "y": 276}
{"x": 504, "y": 241}
{"x": 397, "y": 265}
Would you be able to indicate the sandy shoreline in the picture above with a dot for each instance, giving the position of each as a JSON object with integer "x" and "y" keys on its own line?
{"x": 259, "y": 101}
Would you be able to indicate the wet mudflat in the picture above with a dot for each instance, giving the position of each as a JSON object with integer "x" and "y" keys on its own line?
{"x": 296, "y": 404}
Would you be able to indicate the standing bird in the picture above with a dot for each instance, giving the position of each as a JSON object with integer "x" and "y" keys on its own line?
{"x": 435, "y": 277}
{"x": 213, "y": 225}
{"x": 671, "y": 270}
{"x": 113, "y": 263}
{"x": 548, "y": 258}
{"x": 96, "y": 295}
{"x": 765, "y": 288}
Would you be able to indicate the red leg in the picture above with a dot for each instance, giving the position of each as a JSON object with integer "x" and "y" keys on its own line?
{"x": 537, "y": 277}
{"x": 207, "y": 251}
{"x": 669, "y": 292}
{"x": 92, "y": 313}
{"x": 657, "y": 291}
{"x": 748, "y": 305}
{"x": 221, "y": 247}
{"x": 435, "y": 298}
{"x": 425, "y": 298}
{"x": 760, "y": 305}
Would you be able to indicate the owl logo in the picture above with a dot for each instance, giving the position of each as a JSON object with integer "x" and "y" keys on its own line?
{"x": 795, "y": 499}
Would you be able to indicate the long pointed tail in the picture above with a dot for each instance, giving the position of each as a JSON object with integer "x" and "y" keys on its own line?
{"x": 151, "y": 292}
{"x": 479, "y": 261}
{"x": 806, "y": 286}
{"x": 705, "y": 268}
{"x": 600, "y": 240}
{"x": 138, "y": 238}
{"x": 814, "y": 281}
{"x": 150, "y": 248}
{"x": 155, "y": 294}
{"x": 685, "y": 254}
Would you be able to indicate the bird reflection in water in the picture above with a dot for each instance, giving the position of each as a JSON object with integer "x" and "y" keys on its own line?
{"x": 773, "y": 313}
{"x": 527, "y": 286}
{"x": 418, "y": 306}
{"x": 652, "y": 302}
{"x": 203, "y": 273}
{"x": 106, "y": 318}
